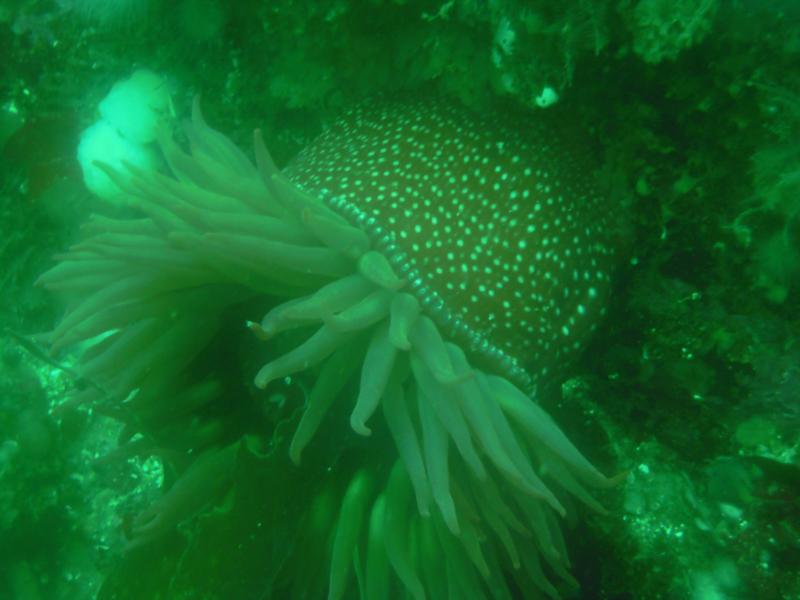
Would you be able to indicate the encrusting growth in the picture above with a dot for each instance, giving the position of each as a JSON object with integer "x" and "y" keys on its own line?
{"x": 446, "y": 263}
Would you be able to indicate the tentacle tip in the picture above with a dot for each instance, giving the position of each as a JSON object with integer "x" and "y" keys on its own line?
{"x": 359, "y": 427}
{"x": 262, "y": 381}
{"x": 257, "y": 329}
{"x": 294, "y": 456}
{"x": 615, "y": 480}
{"x": 454, "y": 528}
{"x": 400, "y": 342}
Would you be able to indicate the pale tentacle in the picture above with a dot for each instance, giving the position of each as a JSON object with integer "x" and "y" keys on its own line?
{"x": 403, "y": 313}
{"x": 434, "y": 446}
{"x": 374, "y": 267}
{"x": 449, "y": 414}
{"x": 369, "y": 311}
{"x": 329, "y": 383}
{"x": 346, "y": 239}
{"x": 405, "y": 437}
{"x": 377, "y": 583}
{"x": 318, "y": 347}
{"x": 538, "y": 424}
{"x": 332, "y": 298}
{"x": 428, "y": 343}
{"x": 396, "y": 532}
{"x": 378, "y": 365}
{"x": 354, "y": 505}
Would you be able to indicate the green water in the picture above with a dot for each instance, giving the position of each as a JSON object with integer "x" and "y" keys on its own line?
{"x": 689, "y": 115}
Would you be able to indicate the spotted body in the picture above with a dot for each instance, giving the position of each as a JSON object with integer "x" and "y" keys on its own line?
{"x": 441, "y": 263}
{"x": 508, "y": 243}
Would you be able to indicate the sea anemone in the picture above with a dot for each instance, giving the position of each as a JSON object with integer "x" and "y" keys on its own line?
{"x": 450, "y": 263}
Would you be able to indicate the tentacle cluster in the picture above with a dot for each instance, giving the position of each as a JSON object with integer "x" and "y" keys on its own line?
{"x": 392, "y": 550}
{"x": 485, "y": 466}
